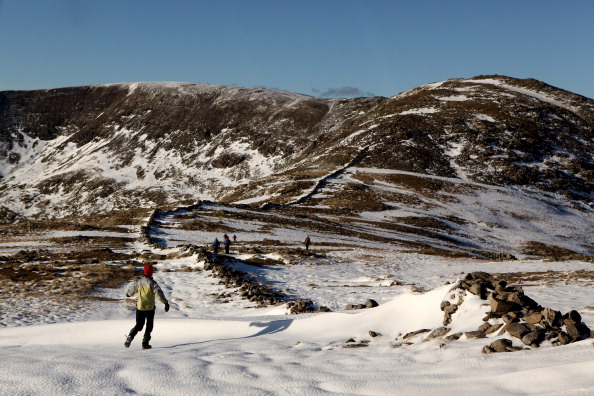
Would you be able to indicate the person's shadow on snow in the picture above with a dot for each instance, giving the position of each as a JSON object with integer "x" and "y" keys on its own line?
{"x": 273, "y": 327}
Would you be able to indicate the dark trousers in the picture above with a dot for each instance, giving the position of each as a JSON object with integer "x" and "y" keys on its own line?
{"x": 141, "y": 317}
{"x": 227, "y": 249}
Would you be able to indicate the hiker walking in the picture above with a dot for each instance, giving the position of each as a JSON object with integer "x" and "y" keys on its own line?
{"x": 227, "y": 244}
{"x": 147, "y": 288}
{"x": 307, "y": 242}
{"x": 234, "y": 238}
{"x": 216, "y": 245}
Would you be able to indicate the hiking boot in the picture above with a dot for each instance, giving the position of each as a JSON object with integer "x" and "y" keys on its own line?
{"x": 145, "y": 345}
{"x": 128, "y": 341}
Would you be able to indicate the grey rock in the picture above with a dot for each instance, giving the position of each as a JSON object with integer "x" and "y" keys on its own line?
{"x": 510, "y": 317}
{"x": 500, "y": 286}
{"x": 550, "y": 317}
{"x": 487, "y": 349}
{"x": 517, "y": 330}
{"x": 474, "y": 334}
{"x": 572, "y": 331}
{"x": 573, "y": 317}
{"x": 484, "y": 327}
{"x": 564, "y": 338}
{"x": 478, "y": 289}
{"x": 492, "y": 329}
{"x": 502, "y": 306}
{"x": 439, "y": 332}
{"x": 454, "y": 337}
{"x": 371, "y": 303}
{"x": 515, "y": 298}
{"x": 534, "y": 337}
{"x": 414, "y": 333}
{"x": 501, "y": 345}
{"x": 533, "y": 318}
{"x": 480, "y": 276}
{"x": 450, "y": 309}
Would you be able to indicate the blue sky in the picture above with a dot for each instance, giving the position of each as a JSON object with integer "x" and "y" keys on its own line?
{"x": 314, "y": 47}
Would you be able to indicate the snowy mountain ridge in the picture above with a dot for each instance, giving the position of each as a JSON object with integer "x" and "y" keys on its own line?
{"x": 430, "y": 152}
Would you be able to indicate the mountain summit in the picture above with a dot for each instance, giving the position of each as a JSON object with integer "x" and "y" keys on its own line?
{"x": 483, "y": 166}
{"x": 96, "y": 148}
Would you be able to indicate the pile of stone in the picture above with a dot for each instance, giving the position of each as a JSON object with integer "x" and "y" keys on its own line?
{"x": 368, "y": 304}
{"x": 248, "y": 288}
{"x": 304, "y": 306}
{"x": 145, "y": 230}
{"x": 516, "y": 314}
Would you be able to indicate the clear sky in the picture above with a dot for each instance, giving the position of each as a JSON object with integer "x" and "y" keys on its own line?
{"x": 315, "y": 47}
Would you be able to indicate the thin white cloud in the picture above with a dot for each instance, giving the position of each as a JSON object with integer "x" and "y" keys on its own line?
{"x": 343, "y": 92}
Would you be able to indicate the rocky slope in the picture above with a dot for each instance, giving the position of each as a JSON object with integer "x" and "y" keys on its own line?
{"x": 91, "y": 149}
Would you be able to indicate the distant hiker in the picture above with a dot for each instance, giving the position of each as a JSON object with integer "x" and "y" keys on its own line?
{"x": 234, "y": 238}
{"x": 307, "y": 242}
{"x": 216, "y": 245}
{"x": 147, "y": 288}
{"x": 227, "y": 244}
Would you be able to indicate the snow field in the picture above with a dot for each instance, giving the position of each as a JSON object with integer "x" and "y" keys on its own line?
{"x": 204, "y": 346}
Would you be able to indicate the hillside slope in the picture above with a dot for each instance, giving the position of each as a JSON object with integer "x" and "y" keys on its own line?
{"x": 459, "y": 159}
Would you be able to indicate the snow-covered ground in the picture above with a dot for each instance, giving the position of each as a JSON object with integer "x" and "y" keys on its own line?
{"x": 203, "y": 346}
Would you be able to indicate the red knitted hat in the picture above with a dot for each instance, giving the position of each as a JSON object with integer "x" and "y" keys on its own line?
{"x": 148, "y": 270}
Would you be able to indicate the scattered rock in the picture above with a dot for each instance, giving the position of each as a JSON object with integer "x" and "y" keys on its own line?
{"x": 371, "y": 303}
{"x": 533, "y": 318}
{"x": 493, "y": 328}
{"x": 510, "y": 317}
{"x": 451, "y": 309}
{"x": 517, "y": 330}
{"x": 414, "y": 333}
{"x": 534, "y": 337}
{"x": 550, "y": 317}
{"x": 501, "y": 345}
{"x": 487, "y": 349}
{"x": 502, "y": 306}
{"x": 484, "y": 327}
{"x": 474, "y": 334}
{"x": 439, "y": 332}
{"x": 572, "y": 331}
{"x": 454, "y": 337}
{"x": 358, "y": 345}
{"x": 368, "y": 304}
{"x": 572, "y": 317}
{"x": 564, "y": 338}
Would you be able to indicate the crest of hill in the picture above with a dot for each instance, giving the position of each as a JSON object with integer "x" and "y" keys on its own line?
{"x": 147, "y": 144}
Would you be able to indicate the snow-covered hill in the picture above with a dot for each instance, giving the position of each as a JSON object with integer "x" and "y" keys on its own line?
{"x": 90, "y": 149}
{"x": 472, "y": 163}
{"x": 214, "y": 342}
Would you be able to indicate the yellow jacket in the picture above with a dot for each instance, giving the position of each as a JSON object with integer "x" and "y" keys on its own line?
{"x": 147, "y": 288}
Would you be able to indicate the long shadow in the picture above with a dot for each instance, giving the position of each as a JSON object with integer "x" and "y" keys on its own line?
{"x": 273, "y": 327}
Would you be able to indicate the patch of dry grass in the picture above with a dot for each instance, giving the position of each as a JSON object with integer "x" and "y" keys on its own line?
{"x": 585, "y": 277}
{"x": 73, "y": 279}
